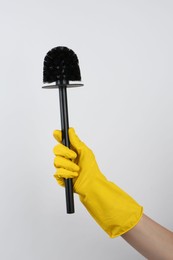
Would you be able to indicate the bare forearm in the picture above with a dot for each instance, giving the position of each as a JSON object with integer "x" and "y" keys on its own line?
{"x": 151, "y": 239}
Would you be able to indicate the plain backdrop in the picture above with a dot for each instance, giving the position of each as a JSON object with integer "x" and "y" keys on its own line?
{"x": 123, "y": 113}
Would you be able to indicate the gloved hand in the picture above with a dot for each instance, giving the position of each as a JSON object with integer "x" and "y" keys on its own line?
{"x": 113, "y": 209}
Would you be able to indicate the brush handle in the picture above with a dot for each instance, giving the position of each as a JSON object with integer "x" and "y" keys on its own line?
{"x": 66, "y": 142}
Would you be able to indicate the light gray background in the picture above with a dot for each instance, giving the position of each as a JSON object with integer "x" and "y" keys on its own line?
{"x": 124, "y": 113}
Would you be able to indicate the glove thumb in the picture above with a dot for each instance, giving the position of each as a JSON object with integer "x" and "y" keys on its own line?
{"x": 74, "y": 139}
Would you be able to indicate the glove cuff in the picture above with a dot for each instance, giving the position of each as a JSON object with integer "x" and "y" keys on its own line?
{"x": 112, "y": 208}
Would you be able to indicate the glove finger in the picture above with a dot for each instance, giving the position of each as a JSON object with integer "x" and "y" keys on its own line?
{"x": 65, "y": 174}
{"x": 58, "y": 135}
{"x": 62, "y": 174}
{"x": 60, "y": 181}
{"x": 61, "y": 150}
{"x": 61, "y": 162}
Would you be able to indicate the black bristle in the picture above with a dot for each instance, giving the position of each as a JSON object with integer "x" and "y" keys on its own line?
{"x": 61, "y": 63}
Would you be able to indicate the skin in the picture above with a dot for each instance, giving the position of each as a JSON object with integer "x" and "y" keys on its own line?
{"x": 151, "y": 240}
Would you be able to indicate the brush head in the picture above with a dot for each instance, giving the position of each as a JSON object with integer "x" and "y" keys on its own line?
{"x": 61, "y": 64}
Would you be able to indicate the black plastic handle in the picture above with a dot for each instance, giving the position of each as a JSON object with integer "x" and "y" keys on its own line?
{"x": 66, "y": 142}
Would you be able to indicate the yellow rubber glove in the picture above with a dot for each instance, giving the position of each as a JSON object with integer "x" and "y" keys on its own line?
{"x": 113, "y": 209}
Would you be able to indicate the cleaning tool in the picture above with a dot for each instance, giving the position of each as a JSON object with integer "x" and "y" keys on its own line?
{"x": 61, "y": 66}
